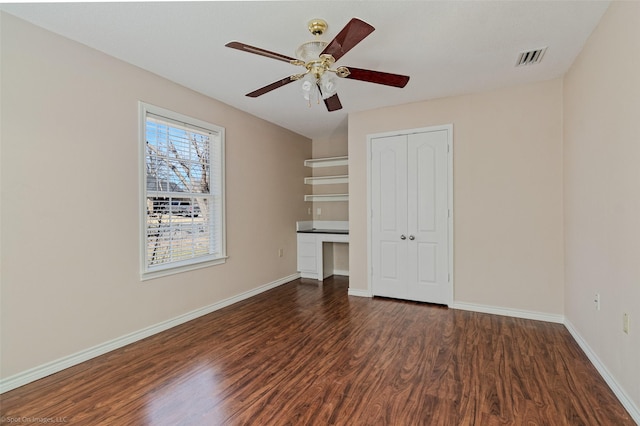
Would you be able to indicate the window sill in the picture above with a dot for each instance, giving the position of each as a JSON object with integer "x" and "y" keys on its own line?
{"x": 150, "y": 275}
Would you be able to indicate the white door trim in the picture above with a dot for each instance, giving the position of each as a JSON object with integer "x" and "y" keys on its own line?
{"x": 449, "y": 129}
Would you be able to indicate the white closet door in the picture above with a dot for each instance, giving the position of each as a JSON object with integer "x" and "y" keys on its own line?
{"x": 389, "y": 216}
{"x": 427, "y": 201}
{"x": 410, "y": 216}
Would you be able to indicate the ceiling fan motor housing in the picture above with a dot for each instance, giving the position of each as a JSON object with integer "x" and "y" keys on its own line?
{"x": 315, "y": 62}
{"x": 310, "y": 50}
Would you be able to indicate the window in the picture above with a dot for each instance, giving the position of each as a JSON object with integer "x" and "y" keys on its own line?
{"x": 182, "y": 175}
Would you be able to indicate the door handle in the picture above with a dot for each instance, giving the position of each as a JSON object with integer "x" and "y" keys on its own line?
{"x": 403, "y": 237}
{"x": 411, "y": 237}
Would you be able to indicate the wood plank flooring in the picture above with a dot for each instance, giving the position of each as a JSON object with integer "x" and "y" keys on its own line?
{"x": 303, "y": 354}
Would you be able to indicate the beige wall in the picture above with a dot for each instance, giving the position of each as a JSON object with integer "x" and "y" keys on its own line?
{"x": 507, "y": 192}
{"x": 602, "y": 193}
{"x": 70, "y": 220}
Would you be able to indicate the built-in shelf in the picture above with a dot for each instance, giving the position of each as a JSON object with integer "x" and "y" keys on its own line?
{"x": 327, "y": 197}
{"x": 326, "y": 180}
{"x": 327, "y": 162}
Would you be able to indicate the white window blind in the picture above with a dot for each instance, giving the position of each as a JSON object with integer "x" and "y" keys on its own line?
{"x": 183, "y": 192}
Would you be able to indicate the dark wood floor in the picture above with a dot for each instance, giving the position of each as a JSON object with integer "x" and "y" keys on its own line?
{"x": 308, "y": 354}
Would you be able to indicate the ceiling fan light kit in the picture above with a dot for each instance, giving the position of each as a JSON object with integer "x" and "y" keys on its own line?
{"x": 318, "y": 57}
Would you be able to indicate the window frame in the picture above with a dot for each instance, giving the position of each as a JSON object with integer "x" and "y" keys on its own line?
{"x": 149, "y": 272}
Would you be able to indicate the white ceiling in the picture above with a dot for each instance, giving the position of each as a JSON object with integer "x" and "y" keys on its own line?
{"x": 447, "y": 47}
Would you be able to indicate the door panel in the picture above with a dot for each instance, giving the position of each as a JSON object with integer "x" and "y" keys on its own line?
{"x": 427, "y": 263}
{"x": 389, "y": 252}
{"x": 424, "y": 166}
{"x": 389, "y": 185}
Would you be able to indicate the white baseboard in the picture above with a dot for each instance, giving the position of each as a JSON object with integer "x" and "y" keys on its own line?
{"x": 627, "y": 402}
{"x": 52, "y": 367}
{"x": 516, "y": 313}
{"x": 341, "y": 272}
{"x": 359, "y": 293}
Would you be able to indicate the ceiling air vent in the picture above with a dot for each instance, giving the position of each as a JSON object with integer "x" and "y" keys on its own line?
{"x": 530, "y": 57}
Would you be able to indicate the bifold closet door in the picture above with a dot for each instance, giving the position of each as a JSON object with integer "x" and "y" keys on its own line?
{"x": 409, "y": 217}
{"x": 389, "y": 216}
{"x": 427, "y": 198}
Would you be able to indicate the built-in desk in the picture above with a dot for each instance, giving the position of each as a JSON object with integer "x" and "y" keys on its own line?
{"x": 311, "y": 237}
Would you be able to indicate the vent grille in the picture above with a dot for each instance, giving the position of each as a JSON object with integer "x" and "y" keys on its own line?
{"x": 530, "y": 57}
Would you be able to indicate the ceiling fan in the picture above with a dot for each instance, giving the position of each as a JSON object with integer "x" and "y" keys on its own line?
{"x": 318, "y": 56}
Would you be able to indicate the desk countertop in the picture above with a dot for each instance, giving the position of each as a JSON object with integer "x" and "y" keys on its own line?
{"x": 324, "y": 231}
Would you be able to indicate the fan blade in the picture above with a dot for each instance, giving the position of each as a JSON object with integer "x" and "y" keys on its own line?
{"x": 378, "y": 77}
{"x": 259, "y": 51}
{"x": 333, "y": 103}
{"x": 353, "y": 33}
{"x": 270, "y": 87}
